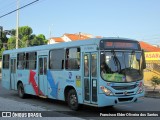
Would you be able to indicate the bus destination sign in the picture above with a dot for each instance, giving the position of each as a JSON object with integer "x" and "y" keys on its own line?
{"x": 119, "y": 45}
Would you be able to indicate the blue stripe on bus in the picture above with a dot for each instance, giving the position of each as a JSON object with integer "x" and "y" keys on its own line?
{"x": 53, "y": 86}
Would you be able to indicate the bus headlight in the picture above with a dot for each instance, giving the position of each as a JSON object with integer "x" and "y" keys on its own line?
{"x": 106, "y": 91}
{"x": 141, "y": 88}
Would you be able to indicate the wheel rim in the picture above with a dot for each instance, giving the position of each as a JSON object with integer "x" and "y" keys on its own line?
{"x": 21, "y": 91}
{"x": 73, "y": 100}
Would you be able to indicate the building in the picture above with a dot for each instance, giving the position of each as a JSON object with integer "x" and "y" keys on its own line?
{"x": 69, "y": 37}
{"x": 152, "y": 56}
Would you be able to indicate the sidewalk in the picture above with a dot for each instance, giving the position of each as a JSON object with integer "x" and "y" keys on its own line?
{"x": 149, "y": 87}
{"x": 150, "y": 93}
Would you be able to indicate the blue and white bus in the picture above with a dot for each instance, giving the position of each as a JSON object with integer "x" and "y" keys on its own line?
{"x": 97, "y": 72}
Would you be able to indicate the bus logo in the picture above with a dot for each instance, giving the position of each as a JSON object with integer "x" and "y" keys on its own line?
{"x": 70, "y": 75}
{"x": 125, "y": 93}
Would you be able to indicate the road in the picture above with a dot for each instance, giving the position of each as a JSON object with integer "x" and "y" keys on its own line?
{"x": 9, "y": 101}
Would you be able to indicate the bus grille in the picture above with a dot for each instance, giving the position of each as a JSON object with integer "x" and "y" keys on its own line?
{"x": 124, "y": 87}
{"x": 125, "y": 99}
{"x": 122, "y": 93}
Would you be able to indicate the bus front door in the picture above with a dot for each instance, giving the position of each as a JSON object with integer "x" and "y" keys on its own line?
{"x": 13, "y": 73}
{"x": 90, "y": 77}
{"x": 42, "y": 75}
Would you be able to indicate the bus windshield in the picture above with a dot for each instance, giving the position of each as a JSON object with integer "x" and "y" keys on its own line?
{"x": 121, "y": 66}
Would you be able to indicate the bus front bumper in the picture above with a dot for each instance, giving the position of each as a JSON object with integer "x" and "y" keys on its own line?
{"x": 115, "y": 100}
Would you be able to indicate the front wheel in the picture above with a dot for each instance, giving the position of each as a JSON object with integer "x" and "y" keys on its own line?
{"x": 21, "y": 92}
{"x": 73, "y": 100}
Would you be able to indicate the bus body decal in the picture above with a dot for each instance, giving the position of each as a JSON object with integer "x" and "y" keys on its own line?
{"x": 34, "y": 84}
{"x": 53, "y": 85}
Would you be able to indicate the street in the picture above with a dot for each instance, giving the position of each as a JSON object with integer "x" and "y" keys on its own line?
{"x": 9, "y": 101}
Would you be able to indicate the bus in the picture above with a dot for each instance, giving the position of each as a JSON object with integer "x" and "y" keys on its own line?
{"x": 96, "y": 72}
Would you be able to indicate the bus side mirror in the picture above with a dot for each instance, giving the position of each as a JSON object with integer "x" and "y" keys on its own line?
{"x": 143, "y": 60}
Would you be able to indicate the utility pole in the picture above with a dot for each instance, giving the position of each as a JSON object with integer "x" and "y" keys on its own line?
{"x": 17, "y": 24}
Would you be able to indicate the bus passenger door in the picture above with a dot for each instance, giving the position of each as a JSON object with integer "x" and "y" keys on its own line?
{"x": 13, "y": 73}
{"x": 90, "y": 77}
{"x": 42, "y": 75}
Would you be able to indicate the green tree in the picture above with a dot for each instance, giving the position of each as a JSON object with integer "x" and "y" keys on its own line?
{"x": 24, "y": 31}
{"x": 4, "y": 38}
{"x": 38, "y": 40}
{"x": 26, "y": 38}
{"x": 3, "y": 43}
{"x": 155, "y": 81}
{"x": 1, "y": 52}
{"x": 11, "y": 43}
{"x": 24, "y": 35}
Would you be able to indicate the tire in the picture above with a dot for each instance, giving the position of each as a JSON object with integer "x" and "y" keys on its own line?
{"x": 21, "y": 91}
{"x": 72, "y": 100}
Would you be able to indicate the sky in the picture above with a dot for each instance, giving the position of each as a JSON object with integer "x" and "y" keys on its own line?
{"x": 136, "y": 19}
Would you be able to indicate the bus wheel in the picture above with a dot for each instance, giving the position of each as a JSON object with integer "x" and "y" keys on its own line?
{"x": 73, "y": 100}
{"x": 21, "y": 92}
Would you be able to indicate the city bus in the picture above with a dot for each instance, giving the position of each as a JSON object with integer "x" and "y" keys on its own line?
{"x": 97, "y": 72}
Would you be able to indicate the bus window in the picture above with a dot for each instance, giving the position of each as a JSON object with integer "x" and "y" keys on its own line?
{"x": 86, "y": 66}
{"x": 6, "y": 61}
{"x": 56, "y": 59}
{"x": 41, "y": 66}
{"x": 45, "y": 66}
{"x": 94, "y": 65}
{"x": 73, "y": 58}
{"x": 31, "y": 60}
{"x": 21, "y": 61}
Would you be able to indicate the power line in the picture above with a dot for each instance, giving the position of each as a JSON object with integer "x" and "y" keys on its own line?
{"x": 19, "y": 8}
{"x": 10, "y": 6}
{"x": 6, "y": 6}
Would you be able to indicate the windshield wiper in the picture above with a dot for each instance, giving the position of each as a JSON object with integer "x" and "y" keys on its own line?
{"x": 116, "y": 61}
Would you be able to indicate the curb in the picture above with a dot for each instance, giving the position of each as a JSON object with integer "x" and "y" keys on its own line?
{"x": 152, "y": 94}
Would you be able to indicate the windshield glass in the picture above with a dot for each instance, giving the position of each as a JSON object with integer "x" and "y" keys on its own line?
{"x": 121, "y": 66}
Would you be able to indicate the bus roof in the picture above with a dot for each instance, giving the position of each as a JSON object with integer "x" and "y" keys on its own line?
{"x": 90, "y": 41}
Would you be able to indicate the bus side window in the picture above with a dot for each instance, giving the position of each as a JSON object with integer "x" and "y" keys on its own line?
{"x": 21, "y": 61}
{"x": 31, "y": 60}
{"x": 6, "y": 61}
{"x": 72, "y": 58}
{"x": 56, "y": 59}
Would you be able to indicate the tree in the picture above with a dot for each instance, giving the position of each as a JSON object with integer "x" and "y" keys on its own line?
{"x": 3, "y": 40}
{"x": 24, "y": 31}
{"x": 26, "y": 38}
{"x": 11, "y": 43}
{"x": 3, "y": 49}
{"x": 38, "y": 40}
{"x": 155, "y": 81}
{"x": 24, "y": 34}
{"x": 3, "y": 43}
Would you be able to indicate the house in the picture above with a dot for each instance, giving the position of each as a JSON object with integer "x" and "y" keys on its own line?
{"x": 70, "y": 37}
{"x": 148, "y": 47}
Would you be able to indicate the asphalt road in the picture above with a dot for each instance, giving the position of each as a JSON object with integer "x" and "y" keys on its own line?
{"x": 9, "y": 101}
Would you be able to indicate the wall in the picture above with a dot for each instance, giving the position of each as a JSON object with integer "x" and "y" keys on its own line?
{"x": 152, "y": 65}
